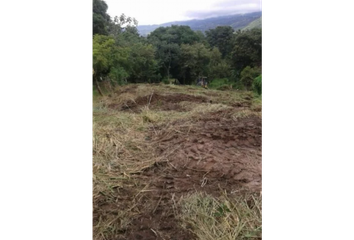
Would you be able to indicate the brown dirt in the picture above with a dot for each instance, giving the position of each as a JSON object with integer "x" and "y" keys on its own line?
{"x": 243, "y": 104}
{"x": 216, "y": 149}
{"x": 159, "y": 102}
{"x": 210, "y": 153}
{"x": 213, "y": 154}
{"x": 213, "y": 94}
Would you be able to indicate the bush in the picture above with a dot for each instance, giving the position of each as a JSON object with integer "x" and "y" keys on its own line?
{"x": 247, "y": 76}
{"x": 219, "y": 82}
{"x": 118, "y": 75}
{"x": 165, "y": 81}
{"x": 257, "y": 84}
{"x": 238, "y": 86}
{"x": 220, "y": 70}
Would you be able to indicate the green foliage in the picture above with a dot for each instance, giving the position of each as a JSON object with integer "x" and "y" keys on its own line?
{"x": 221, "y": 37}
{"x": 222, "y": 210}
{"x": 120, "y": 55}
{"x": 220, "y": 70}
{"x": 247, "y": 50}
{"x": 103, "y": 50}
{"x": 219, "y": 83}
{"x": 254, "y": 24}
{"x": 101, "y": 19}
{"x": 194, "y": 61}
{"x": 166, "y": 81}
{"x": 202, "y": 38}
{"x": 142, "y": 62}
{"x": 174, "y": 34}
{"x": 123, "y": 24}
{"x": 257, "y": 84}
{"x": 168, "y": 41}
{"x": 136, "y": 63}
{"x": 247, "y": 76}
{"x": 118, "y": 75}
{"x": 218, "y": 67}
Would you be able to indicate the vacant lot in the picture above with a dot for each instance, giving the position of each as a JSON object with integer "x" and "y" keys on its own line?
{"x": 177, "y": 162}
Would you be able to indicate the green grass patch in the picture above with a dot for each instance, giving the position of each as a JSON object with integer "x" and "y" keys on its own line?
{"x": 226, "y": 218}
{"x": 219, "y": 83}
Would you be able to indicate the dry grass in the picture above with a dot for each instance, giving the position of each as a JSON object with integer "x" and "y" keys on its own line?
{"x": 226, "y": 218}
{"x": 121, "y": 149}
{"x": 246, "y": 113}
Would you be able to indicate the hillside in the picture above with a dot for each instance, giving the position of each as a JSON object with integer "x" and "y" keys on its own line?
{"x": 254, "y": 24}
{"x": 237, "y": 21}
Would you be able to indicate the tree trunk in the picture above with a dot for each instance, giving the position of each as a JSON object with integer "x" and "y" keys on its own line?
{"x": 98, "y": 86}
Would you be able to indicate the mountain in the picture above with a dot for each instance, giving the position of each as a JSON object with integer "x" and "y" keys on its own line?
{"x": 254, "y": 24}
{"x": 237, "y": 21}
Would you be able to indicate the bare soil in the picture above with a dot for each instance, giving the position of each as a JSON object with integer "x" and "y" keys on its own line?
{"x": 159, "y": 102}
{"x": 212, "y": 153}
{"x": 215, "y": 153}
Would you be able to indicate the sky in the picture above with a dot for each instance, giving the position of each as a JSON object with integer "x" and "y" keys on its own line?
{"x": 149, "y": 12}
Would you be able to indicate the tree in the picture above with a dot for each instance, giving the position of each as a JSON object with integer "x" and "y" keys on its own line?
{"x": 220, "y": 70}
{"x": 168, "y": 41}
{"x": 194, "y": 61}
{"x": 143, "y": 65}
{"x": 103, "y": 53}
{"x": 221, "y": 37}
{"x": 202, "y": 38}
{"x": 101, "y": 20}
{"x": 168, "y": 55}
{"x": 175, "y": 34}
{"x": 218, "y": 67}
{"x": 123, "y": 24}
{"x": 247, "y": 76}
{"x": 247, "y": 50}
{"x": 215, "y": 56}
{"x": 168, "y": 50}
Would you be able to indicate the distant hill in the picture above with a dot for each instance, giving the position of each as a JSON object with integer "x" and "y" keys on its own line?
{"x": 237, "y": 21}
{"x": 254, "y": 24}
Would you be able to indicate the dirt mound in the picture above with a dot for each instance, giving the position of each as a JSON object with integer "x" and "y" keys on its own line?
{"x": 127, "y": 89}
{"x": 214, "y": 151}
{"x": 213, "y": 154}
{"x": 161, "y": 102}
{"x": 243, "y": 104}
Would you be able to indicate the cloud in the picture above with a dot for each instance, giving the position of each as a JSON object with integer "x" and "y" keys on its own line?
{"x": 225, "y": 7}
{"x": 157, "y": 11}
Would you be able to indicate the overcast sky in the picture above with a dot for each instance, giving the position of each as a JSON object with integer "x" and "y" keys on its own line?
{"x": 161, "y": 11}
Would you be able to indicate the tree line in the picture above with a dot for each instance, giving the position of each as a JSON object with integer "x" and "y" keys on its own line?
{"x": 121, "y": 55}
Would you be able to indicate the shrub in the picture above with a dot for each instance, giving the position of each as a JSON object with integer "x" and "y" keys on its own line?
{"x": 118, "y": 75}
{"x": 165, "y": 81}
{"x": 247, "y": 76}
{"x": 257, "y": 84}
{"x": 219, "y": 82}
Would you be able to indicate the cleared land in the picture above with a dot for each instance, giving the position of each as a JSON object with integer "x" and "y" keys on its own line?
{"x": 177, "y": 162}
